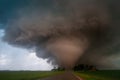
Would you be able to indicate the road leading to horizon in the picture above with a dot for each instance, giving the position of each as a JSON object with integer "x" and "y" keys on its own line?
{"x": 64, "y": 76}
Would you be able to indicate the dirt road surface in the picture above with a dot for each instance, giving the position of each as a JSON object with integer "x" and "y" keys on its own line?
{"x": 64, "y": 76}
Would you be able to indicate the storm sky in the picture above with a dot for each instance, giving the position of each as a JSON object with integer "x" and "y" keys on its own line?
{"x": 39, "y": 31}
{"x": 12, "y": 58}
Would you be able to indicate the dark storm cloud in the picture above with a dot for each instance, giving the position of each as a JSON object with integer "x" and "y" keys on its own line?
{"x": 8, "y": 8}
{"x": 67, "y": 31}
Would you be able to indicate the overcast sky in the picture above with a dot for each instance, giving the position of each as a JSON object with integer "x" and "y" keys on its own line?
{"x": 12, "y": 58}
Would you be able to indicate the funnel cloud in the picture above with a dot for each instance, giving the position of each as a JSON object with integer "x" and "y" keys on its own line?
{"x": 67, "y": 32}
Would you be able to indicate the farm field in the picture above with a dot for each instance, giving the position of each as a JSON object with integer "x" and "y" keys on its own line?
{"x": 26, "y": 75}
{"x": 100, "y": 75}
{"x": 34, "y": 75}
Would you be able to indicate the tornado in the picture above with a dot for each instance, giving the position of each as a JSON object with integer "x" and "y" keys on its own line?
{"x": 66, "y": 32}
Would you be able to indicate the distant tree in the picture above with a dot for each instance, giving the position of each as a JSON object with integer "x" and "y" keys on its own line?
{"x": 58, "y": 69}
{"x": 80, "y": 67}
{"x": 84, "y": 67}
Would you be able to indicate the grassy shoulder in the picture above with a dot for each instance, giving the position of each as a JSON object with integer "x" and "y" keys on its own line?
{"x": 26, "y": 75}
{"x": 100, "y": 75}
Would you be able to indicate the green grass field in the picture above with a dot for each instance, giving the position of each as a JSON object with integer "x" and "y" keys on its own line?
{"x": 100, "y": 75}
{"x": 25, "y": 75}
{"x": 33, "y": 75}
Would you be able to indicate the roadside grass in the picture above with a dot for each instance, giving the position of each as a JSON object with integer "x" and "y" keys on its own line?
{"x": 26, "y": 75}
{"x": 100, "y": 75}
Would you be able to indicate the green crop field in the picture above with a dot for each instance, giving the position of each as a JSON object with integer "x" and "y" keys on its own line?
{"x": 34, "y": 75}
{"x": 100, "y": 75}
{"x": 25, "y": 75}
